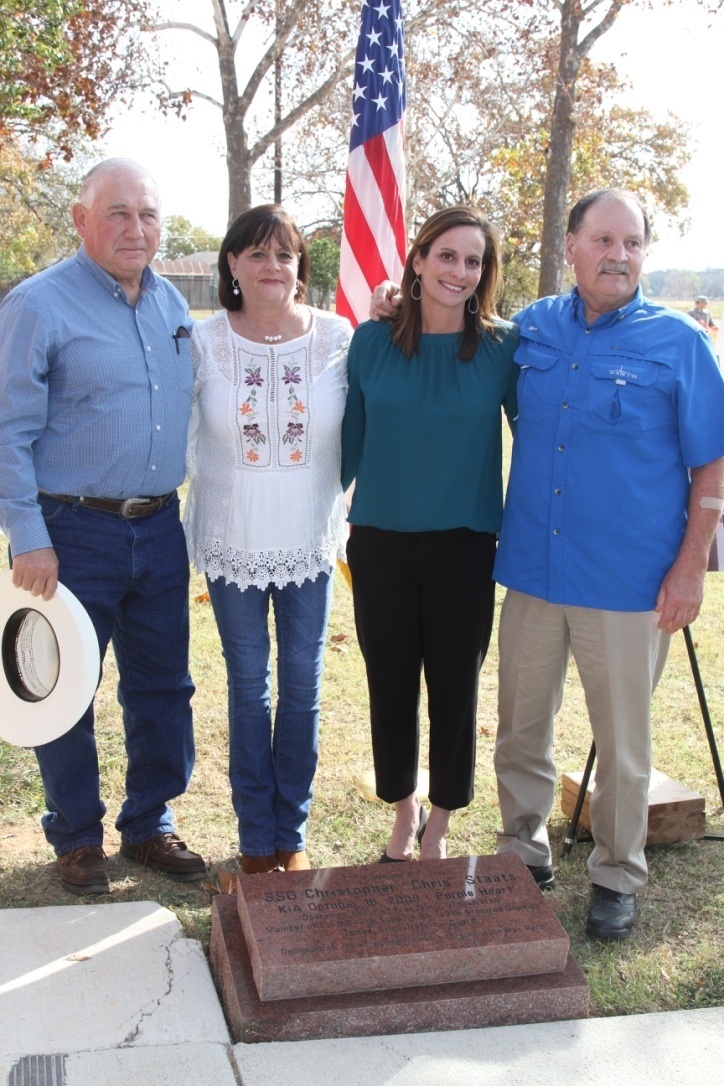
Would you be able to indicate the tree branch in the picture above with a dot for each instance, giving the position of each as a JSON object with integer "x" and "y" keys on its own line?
{"x": 343, "y": 69}
{"x": 274, "y": 50}
{"x": 243, "y": 20}
{"x": 606, "y": 23}
{"x": 186, "y": 26}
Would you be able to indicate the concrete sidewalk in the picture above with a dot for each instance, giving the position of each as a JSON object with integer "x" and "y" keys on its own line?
{"x": 114, "y": 995}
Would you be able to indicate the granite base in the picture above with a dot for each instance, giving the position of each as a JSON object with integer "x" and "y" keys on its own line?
{"x": 543, "y": 997}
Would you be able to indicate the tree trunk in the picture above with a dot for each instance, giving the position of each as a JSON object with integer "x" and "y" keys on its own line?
{"x": 558, "y": 170}
{"x": 239, "y": 164}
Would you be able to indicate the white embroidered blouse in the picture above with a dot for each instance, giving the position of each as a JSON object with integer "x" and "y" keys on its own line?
{"x": 265, "y": 502}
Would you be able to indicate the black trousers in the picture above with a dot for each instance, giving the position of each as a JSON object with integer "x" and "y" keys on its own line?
{"x": 423, "y": 600}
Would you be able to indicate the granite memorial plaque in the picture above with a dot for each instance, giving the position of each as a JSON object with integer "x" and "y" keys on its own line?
{"x": 356, "y": 929}
{"x": 542, "y": 997}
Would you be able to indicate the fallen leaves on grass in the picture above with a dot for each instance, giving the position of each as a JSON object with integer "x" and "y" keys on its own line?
{"x": 223, "y": 882}
{"x": 337, "y": 642}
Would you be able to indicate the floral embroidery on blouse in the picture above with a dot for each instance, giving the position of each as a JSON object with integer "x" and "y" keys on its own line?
{"x": 273, "y": 403}
{"x": 291, "y": 375}
{"x": 251, "y": 434}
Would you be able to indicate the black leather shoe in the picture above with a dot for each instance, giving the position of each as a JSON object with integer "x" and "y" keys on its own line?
{"x": 611, "y": 915}
{"x": 543, "y": 876}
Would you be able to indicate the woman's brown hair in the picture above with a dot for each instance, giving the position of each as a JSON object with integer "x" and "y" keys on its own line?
{"x": 255, "y": 227}
{"x": 408, "y": 323}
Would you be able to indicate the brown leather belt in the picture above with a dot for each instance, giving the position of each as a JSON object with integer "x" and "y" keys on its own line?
{"x": 126, "y": 508}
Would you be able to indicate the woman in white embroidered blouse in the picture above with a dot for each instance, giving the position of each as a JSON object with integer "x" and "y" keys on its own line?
{"x": 265, "y": 516}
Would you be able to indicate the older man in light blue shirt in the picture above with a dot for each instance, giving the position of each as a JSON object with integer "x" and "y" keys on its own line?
{"x": 95, "y": 387}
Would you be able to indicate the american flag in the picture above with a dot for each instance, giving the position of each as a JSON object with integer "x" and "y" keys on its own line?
{"x": 373, "y": 232}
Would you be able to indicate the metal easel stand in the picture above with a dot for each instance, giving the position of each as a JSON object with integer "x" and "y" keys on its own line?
{"x": 570, "y": 839}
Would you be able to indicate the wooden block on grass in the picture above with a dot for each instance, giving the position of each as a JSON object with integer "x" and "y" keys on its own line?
{"x": 675, "y": 812}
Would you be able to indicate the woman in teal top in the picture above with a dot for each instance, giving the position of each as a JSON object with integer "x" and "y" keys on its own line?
{"x": 422, "y": 439}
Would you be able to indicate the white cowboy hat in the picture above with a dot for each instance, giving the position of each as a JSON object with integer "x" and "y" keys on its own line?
{"x": 50, "y": 664}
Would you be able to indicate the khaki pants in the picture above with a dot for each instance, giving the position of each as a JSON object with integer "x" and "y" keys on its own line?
{"x": 620, "y": 658}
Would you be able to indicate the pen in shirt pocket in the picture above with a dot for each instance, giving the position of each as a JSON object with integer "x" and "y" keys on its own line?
{"x": 180, "y": 333}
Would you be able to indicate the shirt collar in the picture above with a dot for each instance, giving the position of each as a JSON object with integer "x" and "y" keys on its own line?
{"x": 606, "y": 319}
{"x": 148, "y": 279}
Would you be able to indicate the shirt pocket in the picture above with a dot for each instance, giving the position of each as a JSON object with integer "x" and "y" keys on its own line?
{"x": 184, "y": 365}
{"x": 540, "y": 384}
{"x": 628, "y": 394}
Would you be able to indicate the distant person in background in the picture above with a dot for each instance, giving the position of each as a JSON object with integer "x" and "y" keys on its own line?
{"x": 265, "y": 517}
{"x": 702, "y": 315}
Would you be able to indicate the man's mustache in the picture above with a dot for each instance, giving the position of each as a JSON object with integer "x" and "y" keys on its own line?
{"x": 615, "y": 269}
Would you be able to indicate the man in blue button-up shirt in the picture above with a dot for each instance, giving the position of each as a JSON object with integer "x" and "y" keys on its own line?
{"x": 616, "y": 487}
{"x": 95, "y": 387}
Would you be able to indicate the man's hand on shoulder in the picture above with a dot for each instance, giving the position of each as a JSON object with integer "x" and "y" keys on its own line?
{"x": 680, "y": 596}
{"x": 36, "y": 572}
{"x": 385, "y": 301}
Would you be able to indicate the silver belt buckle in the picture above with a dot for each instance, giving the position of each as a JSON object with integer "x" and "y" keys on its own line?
{"x": 126, "y": 510}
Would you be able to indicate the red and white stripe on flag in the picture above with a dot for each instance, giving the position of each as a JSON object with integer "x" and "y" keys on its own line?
{"x": 374, "y": 238}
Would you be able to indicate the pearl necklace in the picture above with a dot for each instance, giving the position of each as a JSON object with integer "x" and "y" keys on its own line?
{"x": 271, "y": 339}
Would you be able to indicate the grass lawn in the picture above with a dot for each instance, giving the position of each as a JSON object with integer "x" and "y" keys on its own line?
{"x": 676, "y": 956}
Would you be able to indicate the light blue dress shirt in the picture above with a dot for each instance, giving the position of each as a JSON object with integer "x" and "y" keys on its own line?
{"x": 611, "y": 417}
{"x": 95, "y": 393}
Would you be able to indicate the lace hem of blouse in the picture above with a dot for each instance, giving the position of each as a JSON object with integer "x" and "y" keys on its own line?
{"x": 259, "y": 569}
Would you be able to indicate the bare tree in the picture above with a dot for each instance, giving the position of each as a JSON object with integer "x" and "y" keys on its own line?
{"x": 318, "y": 47}
{"x": 308, "y": 53}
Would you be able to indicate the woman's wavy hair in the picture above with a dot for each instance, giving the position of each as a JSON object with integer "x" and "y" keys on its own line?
{"x": 408, "y": 323}
{"x": 256, "y": 227}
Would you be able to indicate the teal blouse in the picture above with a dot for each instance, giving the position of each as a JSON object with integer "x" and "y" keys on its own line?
{"x": 422, "y": 436}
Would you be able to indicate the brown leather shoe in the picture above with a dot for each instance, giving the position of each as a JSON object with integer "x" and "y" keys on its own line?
{"x": 293, "y": 861}
{"x": 84, "y": 870}
{"x": 259, "y": 865}
{"x": 167, "y": 853}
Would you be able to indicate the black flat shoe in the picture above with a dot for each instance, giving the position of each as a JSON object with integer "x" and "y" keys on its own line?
{"x": 611, "y": 915}
{"x": 543, "y": 875}
{"x": 422, "y": 826}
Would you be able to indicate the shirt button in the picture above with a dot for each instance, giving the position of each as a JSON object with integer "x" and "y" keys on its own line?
{"x": 574, "y": 366}
{"x": 557, "y": 490}
{"x": 155, "y": 387}
{"x": 588, "y": 331}
{"x": 561, "y": 448}
{"x": 153, "y": 467}
{"x": 158, "y": 427}
{"x": 556, "y": 532}
{"x": 148, "y": 348}
{"x": 564, "y": 406}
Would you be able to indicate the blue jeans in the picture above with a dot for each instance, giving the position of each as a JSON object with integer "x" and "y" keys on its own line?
{"x": 271, "y": 771}
{"x": 132, "y": 578}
